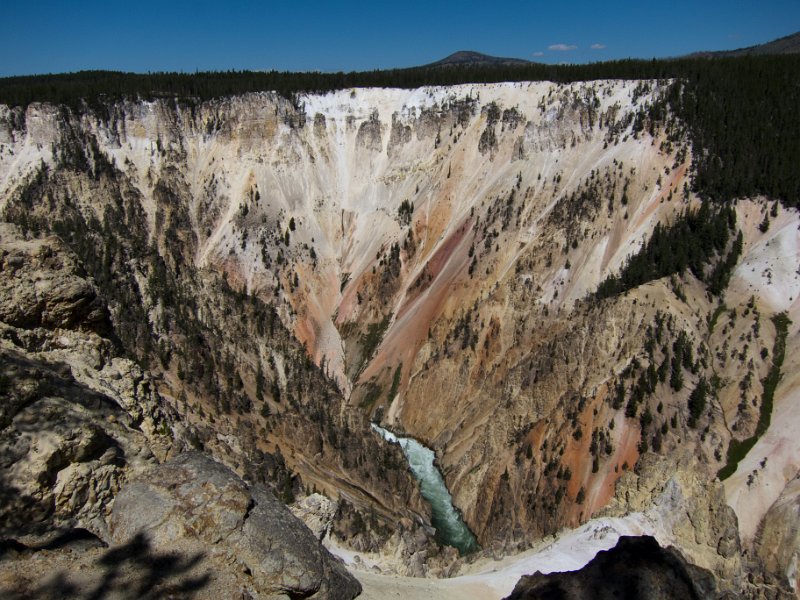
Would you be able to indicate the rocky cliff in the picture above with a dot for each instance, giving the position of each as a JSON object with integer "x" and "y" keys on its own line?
{"x": 82, "y": 434}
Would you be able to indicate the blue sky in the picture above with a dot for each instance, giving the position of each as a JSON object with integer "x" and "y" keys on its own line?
{"x": 49, "y": 36}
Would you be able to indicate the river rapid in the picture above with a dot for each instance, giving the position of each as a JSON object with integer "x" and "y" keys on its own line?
{"x": 450, "y": 527}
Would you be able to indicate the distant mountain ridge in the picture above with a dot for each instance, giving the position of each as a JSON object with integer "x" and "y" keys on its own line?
{"x": 468, "y": 57}
{"x": 789, "y": 44}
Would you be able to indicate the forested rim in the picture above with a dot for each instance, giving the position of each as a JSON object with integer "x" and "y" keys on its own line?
{"x": 741, "y": 117}
{"x": 741, "y": 113}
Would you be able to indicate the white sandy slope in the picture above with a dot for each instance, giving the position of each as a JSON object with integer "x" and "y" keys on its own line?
{"x": 488, "y": 579}
{"x": 769, "y": 270}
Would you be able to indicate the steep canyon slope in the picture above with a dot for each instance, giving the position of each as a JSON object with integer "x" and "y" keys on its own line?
{"x": 428, "y": 259}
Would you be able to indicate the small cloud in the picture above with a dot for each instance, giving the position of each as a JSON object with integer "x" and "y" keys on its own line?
{"x": 598, "y": 46}
{"x": 537, "y": 54}
{"x": 562, "y": 47}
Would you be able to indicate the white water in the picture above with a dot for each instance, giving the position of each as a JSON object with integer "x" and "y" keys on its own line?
{"x": 450, "y": 527}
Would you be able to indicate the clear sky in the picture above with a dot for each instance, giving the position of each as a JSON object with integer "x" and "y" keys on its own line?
{"x": 53, "y": 36}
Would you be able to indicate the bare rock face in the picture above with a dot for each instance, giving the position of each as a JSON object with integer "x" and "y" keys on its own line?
{"x": 779, "y": 536}
{"x": 195, "y": 503}
{"x": 67, "y": 442}
{"x": 281, "y": 294}
{"x": 636, "y": 568}
{"x": 700, "y": 522}
{"x": 43, "y": 287}
{"x": 369, "y": 134}
{"x": 317, "y": 512}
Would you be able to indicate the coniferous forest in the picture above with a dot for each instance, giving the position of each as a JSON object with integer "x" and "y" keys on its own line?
{"x": 698, "y": 241}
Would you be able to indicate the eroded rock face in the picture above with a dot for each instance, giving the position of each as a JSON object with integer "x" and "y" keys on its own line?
{"x": 317, "y": 512}
{"x": 462, "y": 322}
{"x": 194, "y": 503}
{"x": 779, "y": 537}
{"x": 67, "y": 439}
{"x": 636, "y": 568}
{"x": 42, "y": 286}
{"x": 693, "y": 510}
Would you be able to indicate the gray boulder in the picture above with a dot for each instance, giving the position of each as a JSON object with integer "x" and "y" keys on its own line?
{"x": 194, "y": 504}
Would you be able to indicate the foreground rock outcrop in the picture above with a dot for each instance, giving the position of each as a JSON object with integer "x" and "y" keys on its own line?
{"x": 188, "y": 527}
{"x": 76, "y": 418}
{"x": 83, "y": 439}
{"x": 197, "y": 506}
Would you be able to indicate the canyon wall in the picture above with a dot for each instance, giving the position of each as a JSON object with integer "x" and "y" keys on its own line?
{"x": 428, "y": 259}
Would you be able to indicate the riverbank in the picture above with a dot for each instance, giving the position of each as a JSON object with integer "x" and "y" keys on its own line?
{"x": 488, "y": 579}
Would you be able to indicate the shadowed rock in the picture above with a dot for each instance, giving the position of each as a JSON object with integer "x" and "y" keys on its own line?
{"x": 636, "y": 569}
